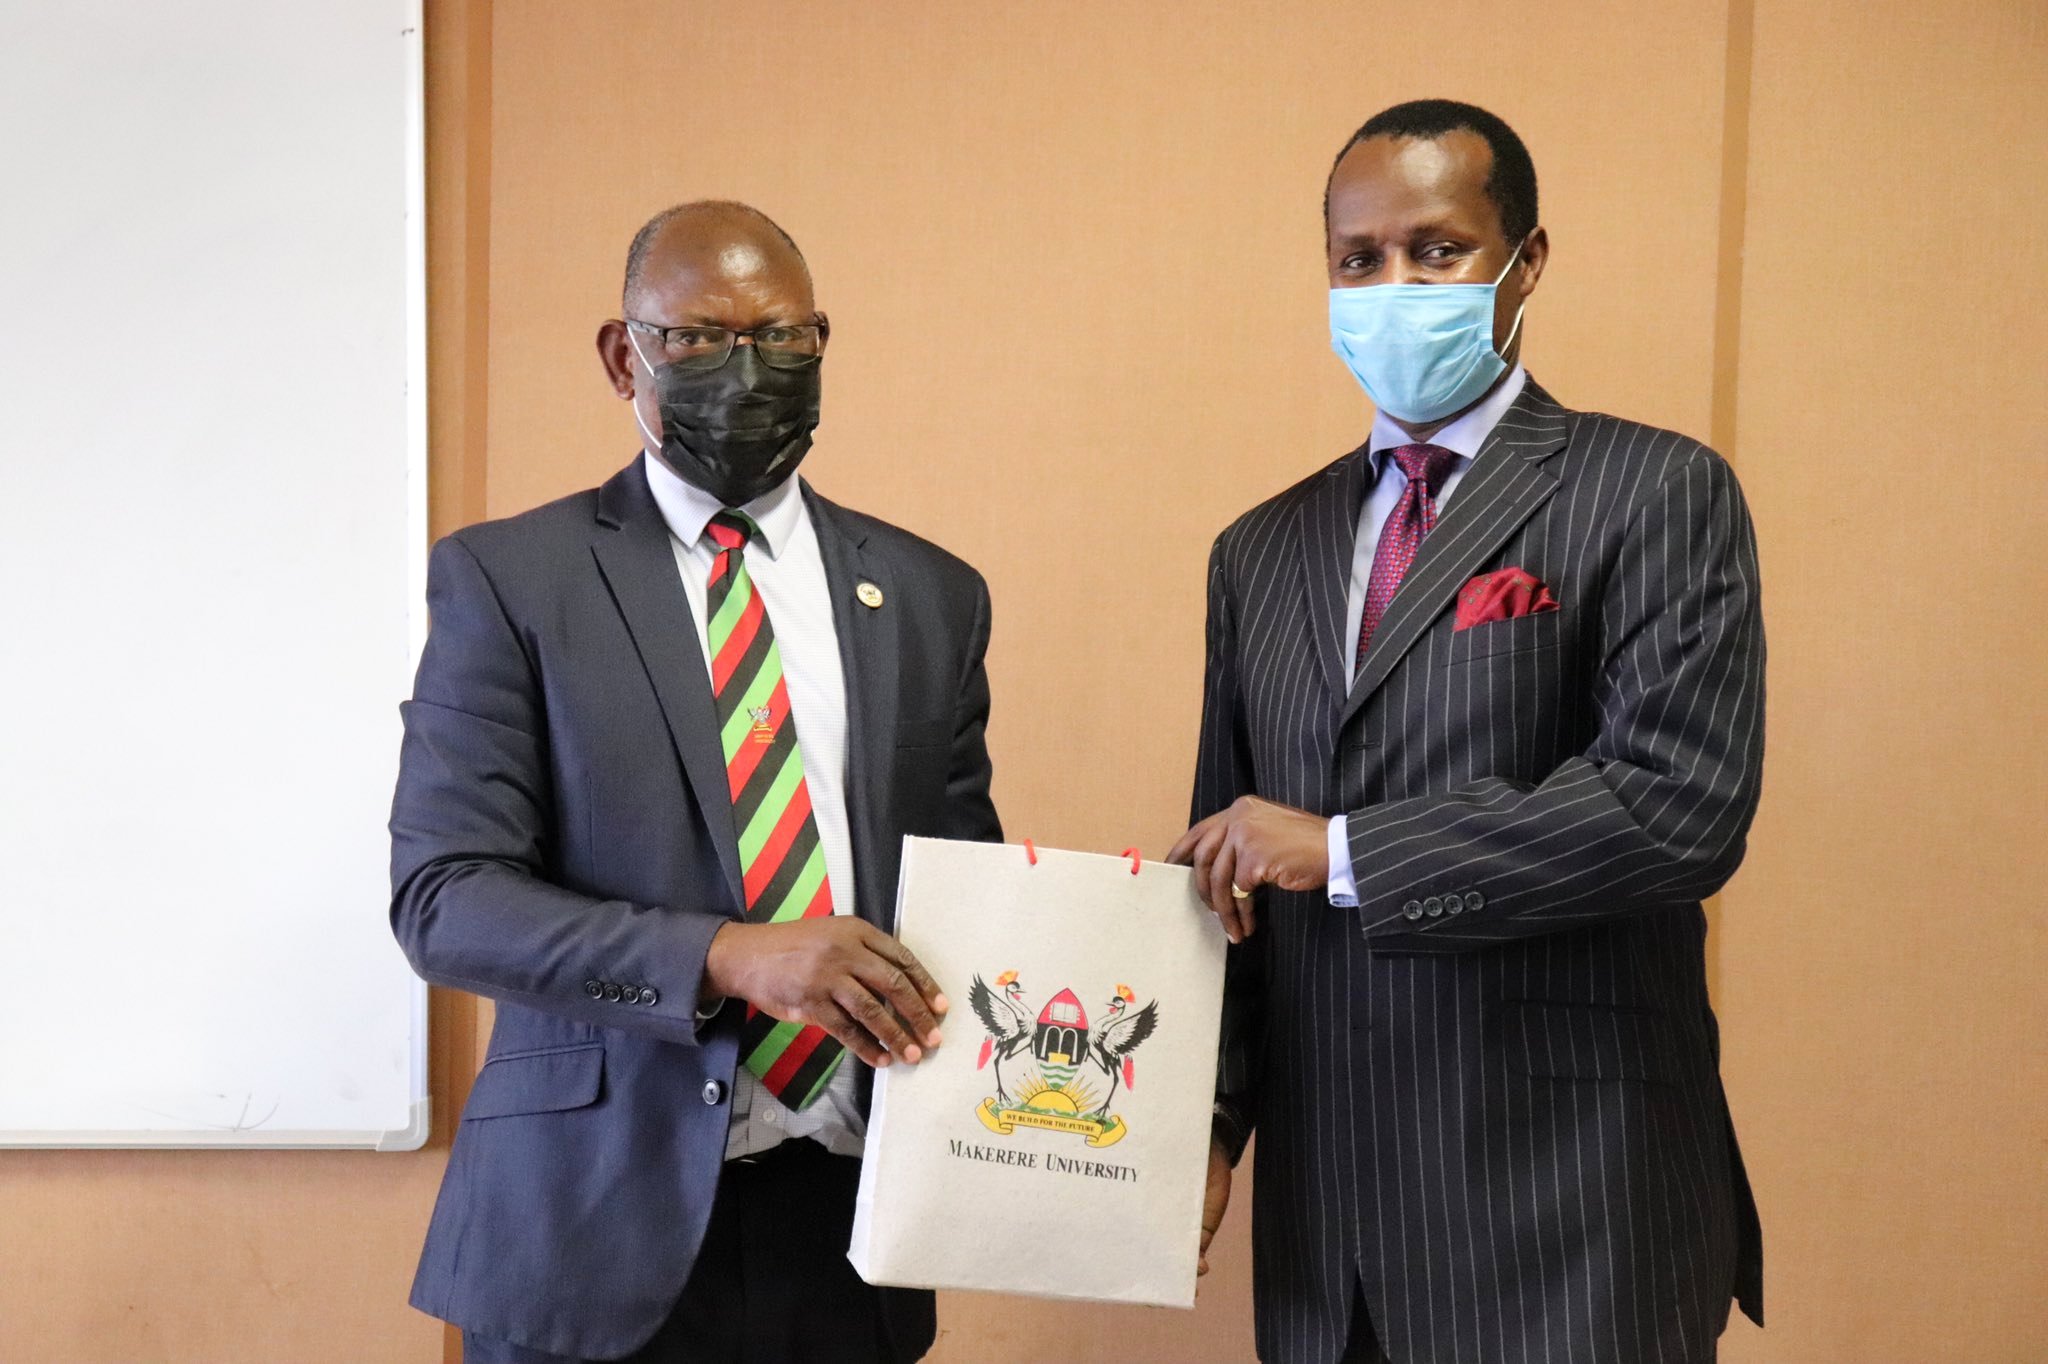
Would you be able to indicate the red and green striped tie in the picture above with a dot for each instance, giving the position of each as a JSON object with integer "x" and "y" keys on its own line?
{"x": 783, "y": 860}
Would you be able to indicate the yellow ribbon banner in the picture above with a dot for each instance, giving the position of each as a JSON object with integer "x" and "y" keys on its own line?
{"x": 1004, "y": 1121}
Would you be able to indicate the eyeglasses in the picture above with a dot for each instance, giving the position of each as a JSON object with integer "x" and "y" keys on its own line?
{"x": 780, "y": 347}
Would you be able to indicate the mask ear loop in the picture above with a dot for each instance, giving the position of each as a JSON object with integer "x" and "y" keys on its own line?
{"x": 653, "y": 445}
{"x": 1520, "y": 308}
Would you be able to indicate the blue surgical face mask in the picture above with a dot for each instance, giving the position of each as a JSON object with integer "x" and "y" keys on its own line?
{"x": 1421, "y": 351}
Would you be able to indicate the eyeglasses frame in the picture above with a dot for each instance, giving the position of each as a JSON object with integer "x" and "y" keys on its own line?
{"x": 660, "y": 332}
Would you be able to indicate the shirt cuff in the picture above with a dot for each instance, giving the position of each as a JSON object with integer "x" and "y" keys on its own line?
{"x": 1343, "y": 885}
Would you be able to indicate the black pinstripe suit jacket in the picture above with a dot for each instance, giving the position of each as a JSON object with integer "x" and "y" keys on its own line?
{"x": 1490, "y": 1096}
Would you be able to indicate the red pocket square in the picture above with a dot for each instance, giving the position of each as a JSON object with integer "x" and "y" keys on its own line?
{"x": 1502, "y": 595}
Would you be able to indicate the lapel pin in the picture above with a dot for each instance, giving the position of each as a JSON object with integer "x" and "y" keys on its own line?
{"x": 870, "y": 595}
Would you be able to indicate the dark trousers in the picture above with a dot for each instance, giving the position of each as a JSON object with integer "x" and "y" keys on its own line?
{"x": 772, "y": 1284}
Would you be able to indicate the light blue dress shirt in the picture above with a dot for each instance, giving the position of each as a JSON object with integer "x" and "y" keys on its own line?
{"x": 1463, "y": 437}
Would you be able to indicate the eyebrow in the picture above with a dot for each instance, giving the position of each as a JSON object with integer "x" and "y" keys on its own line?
{"x": 1434, "y": 227}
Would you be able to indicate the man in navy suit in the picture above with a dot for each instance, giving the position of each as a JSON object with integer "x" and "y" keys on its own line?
{"x": 666, "y": 739}
{"x": 1483, "y": 725}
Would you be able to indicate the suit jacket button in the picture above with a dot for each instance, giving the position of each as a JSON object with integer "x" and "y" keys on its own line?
{"x": 611, "y": 994}
{"x": 629, "y": 994}
{"x": 1412, "y": 910}
{"x": 648, "y": 996}
{"x": 594, "y": 988}
{"x": 1453, "y": 904}
{"x": 1474, "y": 900}
{"x": 1434, "y": 906}
{"x": 714, "y": 1092}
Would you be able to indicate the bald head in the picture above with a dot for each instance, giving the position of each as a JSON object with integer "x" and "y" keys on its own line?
{"x": 709, "y": 264}
{"x": 702, "y": 232}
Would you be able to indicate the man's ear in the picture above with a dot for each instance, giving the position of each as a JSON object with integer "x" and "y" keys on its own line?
{"x": 1535, "y": 255}
{"x": 616, "y": 353}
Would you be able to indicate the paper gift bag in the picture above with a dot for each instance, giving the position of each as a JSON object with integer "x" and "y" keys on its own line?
{"x": 1057, "y": 1142}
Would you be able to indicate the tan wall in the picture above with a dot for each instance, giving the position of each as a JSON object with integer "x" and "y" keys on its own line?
{"x": 1072, "y": 255}
{"x": 1882, "y": 955}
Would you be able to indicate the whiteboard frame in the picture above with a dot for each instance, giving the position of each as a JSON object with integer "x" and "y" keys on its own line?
{"x": 413, "y": 1135}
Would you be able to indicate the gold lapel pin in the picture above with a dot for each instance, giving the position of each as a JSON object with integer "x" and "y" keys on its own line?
{"x": 870, "y": 595}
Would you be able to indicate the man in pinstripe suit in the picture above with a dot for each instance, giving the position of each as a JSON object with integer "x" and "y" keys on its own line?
{"x": 1483, "y": 725}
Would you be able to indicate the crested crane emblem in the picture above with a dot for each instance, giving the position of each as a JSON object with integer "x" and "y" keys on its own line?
{"x": 1058, "y": 1063}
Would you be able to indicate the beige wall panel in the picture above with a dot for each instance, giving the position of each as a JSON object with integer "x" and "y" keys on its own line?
{"x": 1073, "y": 258}
{"x": 1884, "y": 951}
{"x": 1072, "y": 253}
{"x": 212, "y": 1257}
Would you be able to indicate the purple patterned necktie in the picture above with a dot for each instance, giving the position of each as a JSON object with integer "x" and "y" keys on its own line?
{"x": 1412, "y": 518}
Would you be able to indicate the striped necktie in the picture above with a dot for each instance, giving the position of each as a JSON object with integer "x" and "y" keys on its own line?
{"x": 783, "y": 861}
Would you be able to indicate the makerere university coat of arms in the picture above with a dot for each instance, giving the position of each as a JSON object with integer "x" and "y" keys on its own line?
{"x": 1054, "y": 1059}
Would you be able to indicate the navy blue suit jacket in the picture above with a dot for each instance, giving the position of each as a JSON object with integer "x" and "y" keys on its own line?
{"x": 562, "y": 843}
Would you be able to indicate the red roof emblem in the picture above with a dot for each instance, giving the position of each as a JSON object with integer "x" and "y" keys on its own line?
{"x": 1064, "y": 1010}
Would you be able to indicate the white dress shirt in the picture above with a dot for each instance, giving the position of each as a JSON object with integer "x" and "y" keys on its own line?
{"x": 1463, "y": 438}
{"x": 789, "y": 572}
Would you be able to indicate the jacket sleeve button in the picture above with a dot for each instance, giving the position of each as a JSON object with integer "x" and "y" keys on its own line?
{"x": 714, "y": 1092}
{"x": 594, "y": 988}
{"x": 648, "y": 995}
{"x": 611, "y": 994}
{"x": 1434, "y": 906}
{"x": 1412, "y": 910}
{"x": 1474, "y": 900}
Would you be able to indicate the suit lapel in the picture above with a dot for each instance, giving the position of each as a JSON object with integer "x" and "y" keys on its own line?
{"x": 1327, "y": 531}
{"x": 1505, "y": 485}
{"x": 868, "y": 656}
{"x": 639, "y": 566}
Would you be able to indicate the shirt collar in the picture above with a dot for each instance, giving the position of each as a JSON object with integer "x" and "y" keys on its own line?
{"x": 1464, "y": 436}
{"x": 688, "y": 508}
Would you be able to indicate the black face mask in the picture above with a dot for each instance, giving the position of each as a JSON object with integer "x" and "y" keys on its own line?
{"x": 738, "y": 430}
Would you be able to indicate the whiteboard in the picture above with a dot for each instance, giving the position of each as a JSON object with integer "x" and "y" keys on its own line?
{"x": 212, "y": 542}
